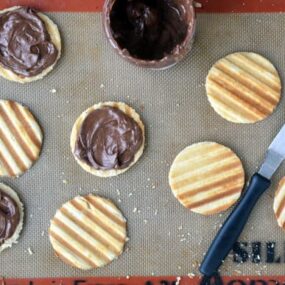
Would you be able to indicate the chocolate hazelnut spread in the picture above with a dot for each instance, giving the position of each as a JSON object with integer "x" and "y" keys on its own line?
{"x": 108, "y": 139}
{"x": 148, "y": 29}
{"x": 25, "y": 45}
{"x": 9, "y": 216}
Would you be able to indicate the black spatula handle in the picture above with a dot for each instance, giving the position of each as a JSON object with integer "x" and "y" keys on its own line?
{"x": 233, "y": 226}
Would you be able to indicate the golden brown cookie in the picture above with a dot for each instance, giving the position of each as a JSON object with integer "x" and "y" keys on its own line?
{"x": 243, "y": 87}
{"x": 130, "y": 113}
{"x": 20, "y": 139}
{"x": 88, "y": 232}
{"x": 13, "y": 209}
{"x": 279, "y": 203}
{"x": 54, "y": 34}
{"x": 207, "y": 178}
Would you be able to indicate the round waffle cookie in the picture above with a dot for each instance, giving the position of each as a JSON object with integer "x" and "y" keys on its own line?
{"x": 88, "y": 232}
{"x": 279, "y": 205}
{"x": 127, "y": 110}
{"x": 243, "y": 87}
{"x": 20, "y": 139}
{"x": 55, "y": 38}
{"x": 9, "y": 192}
{"x": 207, "y": 178}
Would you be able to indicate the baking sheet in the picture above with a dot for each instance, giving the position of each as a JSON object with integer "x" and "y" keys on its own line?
{"x": 165, "y": 238}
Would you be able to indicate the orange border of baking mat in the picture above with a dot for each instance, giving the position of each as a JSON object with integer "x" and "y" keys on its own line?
{"x": 208, "y": 6}
{"x": 168, "y": 280}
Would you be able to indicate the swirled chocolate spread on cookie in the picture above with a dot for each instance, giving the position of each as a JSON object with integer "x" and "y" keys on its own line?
{"x": 148, "y": 29}
{"x": 108, "y": 139}
{"x": 9, "y": 216}
{"x": 25, "y": 45}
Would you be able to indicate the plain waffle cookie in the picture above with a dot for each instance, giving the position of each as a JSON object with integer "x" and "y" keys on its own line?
{"x": 207, "y": 178}
{"x": 243, "y": 87}
{"x": 20, "y": 139}
{"x": 88, "y": 232}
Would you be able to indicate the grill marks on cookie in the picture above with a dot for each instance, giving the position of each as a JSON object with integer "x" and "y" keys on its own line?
{"x": 20, "y": 139}
{"x": 88, "y": 232}
{"x": 279, "y": 203}
{"x": 243, "y": 87}
{"x": 207, "y": 178}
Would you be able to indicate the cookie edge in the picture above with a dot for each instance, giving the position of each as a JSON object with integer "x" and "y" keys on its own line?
{"x": 281, "y": 183}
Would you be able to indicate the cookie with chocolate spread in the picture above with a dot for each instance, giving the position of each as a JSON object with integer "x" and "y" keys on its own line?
{"x": 107, "y": 139}
{"x": 88, "y": 232}
{"x": 11, "y": 217}
{"x": 30, "y": 44}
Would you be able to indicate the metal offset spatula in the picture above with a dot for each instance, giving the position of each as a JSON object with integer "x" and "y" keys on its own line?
{"x": 236, "y": 221}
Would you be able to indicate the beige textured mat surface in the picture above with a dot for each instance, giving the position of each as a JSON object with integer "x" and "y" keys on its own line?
{"x": 174, "y": 107}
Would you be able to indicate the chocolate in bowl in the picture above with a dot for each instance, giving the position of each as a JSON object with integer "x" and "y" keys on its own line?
{"x": 150, "y": 33}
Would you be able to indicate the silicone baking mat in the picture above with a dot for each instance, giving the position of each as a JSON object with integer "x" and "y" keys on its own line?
{"x": 165, "y": 238}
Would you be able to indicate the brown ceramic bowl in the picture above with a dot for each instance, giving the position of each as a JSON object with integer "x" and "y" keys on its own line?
{"x": 178, "y": 52}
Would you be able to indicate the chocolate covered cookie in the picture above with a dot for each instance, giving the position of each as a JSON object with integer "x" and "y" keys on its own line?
{"x": 107, "y": 139}
{"x": 30, "y": 44}
{"x": 11, "y": 217}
